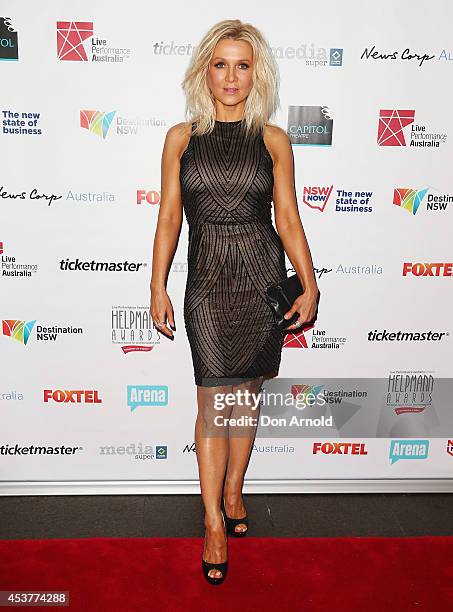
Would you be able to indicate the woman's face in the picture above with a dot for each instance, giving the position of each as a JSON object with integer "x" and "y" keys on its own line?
{"x": 230, "y": 71}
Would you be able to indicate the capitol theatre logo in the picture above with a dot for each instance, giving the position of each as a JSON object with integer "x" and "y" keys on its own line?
{"x": 310, "y": 125}
{"x": 8, "y": 41}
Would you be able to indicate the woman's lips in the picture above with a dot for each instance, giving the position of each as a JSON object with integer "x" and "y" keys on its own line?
{"x": 230, "y": 90}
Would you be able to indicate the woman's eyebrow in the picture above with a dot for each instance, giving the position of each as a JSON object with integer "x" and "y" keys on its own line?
{"x": 239, "y": 60}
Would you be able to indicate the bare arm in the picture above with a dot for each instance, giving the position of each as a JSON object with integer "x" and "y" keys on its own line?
{"x": 169, "y": 224}
{"x": 288, "y": 222}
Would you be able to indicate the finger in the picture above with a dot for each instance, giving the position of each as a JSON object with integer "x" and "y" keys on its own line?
{"x": 160, "y": 324}
{"x": 171, "y": 320}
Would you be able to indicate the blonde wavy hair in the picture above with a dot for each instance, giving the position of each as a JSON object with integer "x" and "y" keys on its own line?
{"x": 263, "y": 100}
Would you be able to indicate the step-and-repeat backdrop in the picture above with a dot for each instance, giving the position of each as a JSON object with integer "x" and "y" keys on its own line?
{"x": 90, "y": 391}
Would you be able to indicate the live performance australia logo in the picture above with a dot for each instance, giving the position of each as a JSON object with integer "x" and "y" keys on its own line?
{"x": 394, "y": 126}
{"x": 13, "y": 268}
{"x": 310, "y": 125}
{"x": 9, "y": 50}
{"x": 76, "y": 43}
{"x": 133, "y": 329}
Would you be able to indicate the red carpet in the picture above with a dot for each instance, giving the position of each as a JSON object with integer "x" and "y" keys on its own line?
{"x": 140, "y": 574}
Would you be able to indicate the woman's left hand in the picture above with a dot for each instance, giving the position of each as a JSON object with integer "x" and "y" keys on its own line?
{"x": 306, "y": 306}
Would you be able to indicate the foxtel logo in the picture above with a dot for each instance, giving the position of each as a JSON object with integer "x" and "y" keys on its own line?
{"x": 317, "y": 197}
{"x": 339, "y": 448}
{"x": 428, "y": 269}
{"x": 72, "y": 397}
{"x": 151, "y": 197}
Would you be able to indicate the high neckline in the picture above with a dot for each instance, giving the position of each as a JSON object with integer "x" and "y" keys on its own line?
{"x": 238, "y": 121}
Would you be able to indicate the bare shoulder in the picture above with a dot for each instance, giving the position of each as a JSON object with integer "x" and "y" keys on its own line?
{"x": 177, "y": 137}
{"x": 276, "y": 140}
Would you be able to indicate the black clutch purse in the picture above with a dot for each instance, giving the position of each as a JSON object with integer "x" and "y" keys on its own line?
{"x": 280, "y": 297}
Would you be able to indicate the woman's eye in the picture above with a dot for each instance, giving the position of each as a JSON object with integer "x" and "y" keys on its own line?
{"x": 222, "y": 64}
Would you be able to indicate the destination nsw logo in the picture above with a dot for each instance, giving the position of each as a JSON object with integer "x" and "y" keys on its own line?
{"x": 391, "y": 130}
{"x": 21, "y": 330}
{"x": 77, "y": 265}
{"x": 411, "y": 199}
{"x": 317, "y": 197}
{"x": 133, "y": 329}
{"x": 99, "y": 122}
{"x": 76, "y": 43}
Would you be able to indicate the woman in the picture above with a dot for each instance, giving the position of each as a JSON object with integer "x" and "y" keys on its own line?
{"x": 223, "y": 168}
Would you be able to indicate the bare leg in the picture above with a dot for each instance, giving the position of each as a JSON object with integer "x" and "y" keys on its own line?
{"x": 241, "y": 441}
{"x": 211, "y": 442}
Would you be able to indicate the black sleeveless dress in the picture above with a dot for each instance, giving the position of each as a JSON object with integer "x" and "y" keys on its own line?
{"x": 234, "y": 251}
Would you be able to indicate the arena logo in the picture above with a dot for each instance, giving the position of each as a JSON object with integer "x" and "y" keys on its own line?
{"x": 79, "y": 396}
{"x": 311, "y": 55}
{"x": 133, "y": 329}
{"x": 12, "y": 268}
{"x": 408, "y": 449}
{"x": 427, "y": 269}
{"x": 33, "y": 195}
{"x": 76, "y": 43}
{"x": 317, "y": 196}
{"x": 310, "y": 125}
{"x": 406, "y": 336}
{"x": 146, "y": 395}
{"x": 151, "y": 197}
{"x": 11, "y": 396}
{"x": 21, "y": 331}
{"x": 409, "y": 392}
{"x": 392, "y": 124}
{"x": 38, "y": 449}
{"x": 137, "y": 451}
{"x": 78, "y": 265}
{"x": 405, "y": 55}
{"x": 411, "y": 199}
{"x": 9, "y": 49}
{"x": 340, "y": 448}
{"x": 21, "y": 122}
{"x": 99, "y": 123}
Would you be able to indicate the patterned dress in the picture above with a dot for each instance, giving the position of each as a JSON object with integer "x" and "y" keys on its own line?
{"x": 234, "y": 252}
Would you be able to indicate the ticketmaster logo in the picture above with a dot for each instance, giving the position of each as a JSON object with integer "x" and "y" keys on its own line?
{"x": 408, "y": 449}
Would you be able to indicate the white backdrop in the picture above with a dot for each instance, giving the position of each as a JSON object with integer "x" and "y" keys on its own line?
{"x": 106, "y": 181}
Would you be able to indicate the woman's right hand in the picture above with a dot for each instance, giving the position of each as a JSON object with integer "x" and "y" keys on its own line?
{"x": 161, "y": 309}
